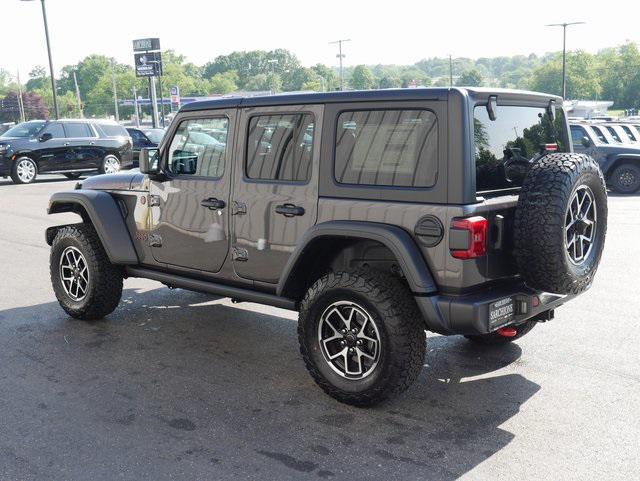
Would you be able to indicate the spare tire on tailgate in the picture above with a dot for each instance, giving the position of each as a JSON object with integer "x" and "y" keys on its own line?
{"x": 560, "y": 223}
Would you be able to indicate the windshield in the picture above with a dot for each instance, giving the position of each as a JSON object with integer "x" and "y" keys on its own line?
{"x": 25, "y": 129}
{"x": 505, "y": 147}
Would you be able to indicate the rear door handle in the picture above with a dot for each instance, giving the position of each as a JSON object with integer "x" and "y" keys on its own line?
{"x": 289, "y": 210}
{"x": 213, "y": 203}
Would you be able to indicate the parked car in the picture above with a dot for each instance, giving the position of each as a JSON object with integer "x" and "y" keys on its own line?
{"x": 68, "y": 147}
{"x": 619, "y": 161}
{"x": 140, "y": 141}
{"x": 458, "y": 211}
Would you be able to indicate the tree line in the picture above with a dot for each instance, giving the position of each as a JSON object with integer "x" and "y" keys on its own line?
{"x": 610, "y": 74}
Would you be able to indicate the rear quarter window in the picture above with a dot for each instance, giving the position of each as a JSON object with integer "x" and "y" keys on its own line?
{"x": 111, "y": 130}
{"x": 397, "y": 148}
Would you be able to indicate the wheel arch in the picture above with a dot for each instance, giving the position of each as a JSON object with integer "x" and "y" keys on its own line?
{"x": 617, "y": 160}
{"x": 324, "y": 242}
{"x": 101, "y": 210}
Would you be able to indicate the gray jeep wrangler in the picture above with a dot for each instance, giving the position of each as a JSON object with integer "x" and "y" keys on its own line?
{"x": 377, "y": 215}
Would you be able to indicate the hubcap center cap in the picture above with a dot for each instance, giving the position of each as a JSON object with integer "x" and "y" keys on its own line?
{"x": 350, "y": 339}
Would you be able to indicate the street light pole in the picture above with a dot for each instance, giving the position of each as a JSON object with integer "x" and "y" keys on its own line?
{"x": 53, "y": 79}
{"x": 564, "y": 52}
{"x": 341, "y": 56}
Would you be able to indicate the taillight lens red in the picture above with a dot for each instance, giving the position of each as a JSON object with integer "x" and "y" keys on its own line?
{"x": 477, "y": 227}
{"x": 551, "y": 147}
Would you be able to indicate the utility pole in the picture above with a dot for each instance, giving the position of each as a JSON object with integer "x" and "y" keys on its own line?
{"x": 564, "y": 52}
{"x": 154, "y": 102}
{"x": 341, "y": 56}
{"x": 115, "y": 91}
{"x": 450, "y": 71}
{"x": 20, "y": 102}
{"x": 135, "y": 106}
{"x": 53, "y": 78}
{"x": 75, "y": 81}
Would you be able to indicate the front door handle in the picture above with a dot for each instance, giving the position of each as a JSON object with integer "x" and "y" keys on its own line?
{"x": 289, "y": 210}
{"x": 213, "y": 203}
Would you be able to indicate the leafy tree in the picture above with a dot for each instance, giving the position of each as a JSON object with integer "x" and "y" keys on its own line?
{"x": 34, "y": 107}
{"x": 224, "y": 83}
{"x": 362, "y": 78}
{"x": 388, "y": 81}
{"x": 582, "y": 77}
{"x": 470, "y": 78}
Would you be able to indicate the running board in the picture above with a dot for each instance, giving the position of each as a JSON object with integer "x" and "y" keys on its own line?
{"x": 212, "y": 288}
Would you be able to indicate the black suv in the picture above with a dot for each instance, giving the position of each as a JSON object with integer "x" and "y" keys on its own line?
{"x": 377, "y": 215}
{"x": 68, "y": 147}
{"x": 617, "y": 152}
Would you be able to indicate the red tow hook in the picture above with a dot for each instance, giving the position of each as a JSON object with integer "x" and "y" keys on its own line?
{"x": 507, "y": 332}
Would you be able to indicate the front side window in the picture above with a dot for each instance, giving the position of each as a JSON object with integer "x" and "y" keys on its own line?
{"x": 55, "y": 129}
{"x": 75, "y": 130}
{"x": 577, "y": 135}
{"x": 280, "y": 147}
{"x": 505, "y": 147}
{"x": 194, "y": 151}
{"x": 396, "y": 148}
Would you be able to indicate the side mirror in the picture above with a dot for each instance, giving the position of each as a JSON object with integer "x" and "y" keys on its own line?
{"x": 44, "y": 137}
{"x": 492, "y": 107}
{"x": 149, "y": 161}
{"x": 586, "y": 142}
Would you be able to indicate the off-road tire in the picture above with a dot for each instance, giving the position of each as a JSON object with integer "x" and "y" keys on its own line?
{"x": 72, "y": 175}
{"x": 539, "y": 223}
{"x": 14, "y": 171}
{"x": 402, "y": 333}
{"x": 625, "y": 178}
{"x": 105, "y": 279}
{"x": 495, "y": 339}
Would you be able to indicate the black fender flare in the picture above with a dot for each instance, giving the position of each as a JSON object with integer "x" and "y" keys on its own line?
{"x": 105, "y": 215}
{"x": 611, "y": 162}
{"x": 396, "y": 239}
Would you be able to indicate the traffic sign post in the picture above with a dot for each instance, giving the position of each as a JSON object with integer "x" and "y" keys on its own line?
{"x": 174, "y": 92}
{"x": 148, "y": 63}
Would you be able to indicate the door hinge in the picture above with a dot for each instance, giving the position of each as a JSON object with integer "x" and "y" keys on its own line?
{"x": 238, "y": 208}
{"x": 240, "y": 254}
{"x": 154, "y": 200}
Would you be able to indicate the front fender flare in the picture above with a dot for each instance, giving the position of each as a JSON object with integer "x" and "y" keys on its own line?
{"x": 397, "y": 240}
{"x": 105, "y": 216}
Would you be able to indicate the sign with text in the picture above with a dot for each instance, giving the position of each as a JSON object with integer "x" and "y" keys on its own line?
{"x": 148, "y": 64}
{"x": 174, "y": 92}
{"x": 146, "y": 44}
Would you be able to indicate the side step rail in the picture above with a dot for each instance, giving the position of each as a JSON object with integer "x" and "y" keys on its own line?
{"x": 212, "y": 288}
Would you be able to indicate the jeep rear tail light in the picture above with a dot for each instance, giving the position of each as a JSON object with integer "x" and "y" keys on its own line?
{"x": 477, "y": 228}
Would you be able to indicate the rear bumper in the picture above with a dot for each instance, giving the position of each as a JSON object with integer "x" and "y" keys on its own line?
{"x": 470, "y": 314}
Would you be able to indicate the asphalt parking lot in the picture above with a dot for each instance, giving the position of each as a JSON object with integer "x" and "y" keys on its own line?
{"x": 175, "y": 385}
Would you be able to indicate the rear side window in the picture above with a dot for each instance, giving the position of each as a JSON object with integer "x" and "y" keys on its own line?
{"x": 193, "y": 151}
{"x": 396, "y": 148}
{"x": 504, "y": 147}
{"x": 76, "y": 130}
{"x": 280, "y": 147}
{"x": 113, "y": 130}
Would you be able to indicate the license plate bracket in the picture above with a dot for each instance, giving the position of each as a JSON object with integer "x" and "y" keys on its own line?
{"x": 501, "y": 312}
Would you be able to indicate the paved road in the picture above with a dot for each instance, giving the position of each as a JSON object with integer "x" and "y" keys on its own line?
{"x": 178, "y": 386}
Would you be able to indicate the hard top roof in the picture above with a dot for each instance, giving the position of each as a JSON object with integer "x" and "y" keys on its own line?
{"x": 421, "y": 93}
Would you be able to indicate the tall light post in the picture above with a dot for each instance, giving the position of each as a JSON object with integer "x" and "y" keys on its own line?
{"x": 53, "y": 79}
{"x": 341, "y": 56}
{"x": 564, "y": 52}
